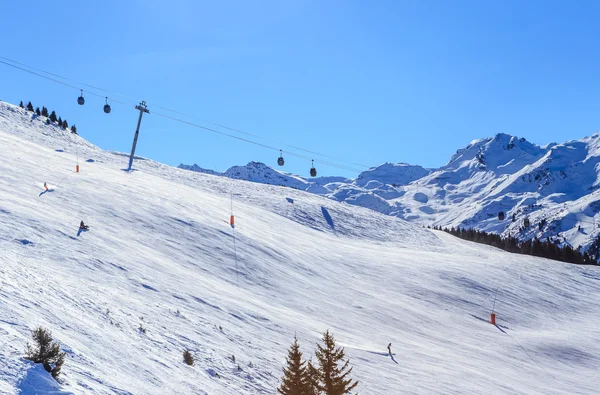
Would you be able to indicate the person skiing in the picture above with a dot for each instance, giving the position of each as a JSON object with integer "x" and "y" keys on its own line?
{"x": 83, "y": 226}
{"x": 45, "y": 186}
{"x": 390, "y": 348}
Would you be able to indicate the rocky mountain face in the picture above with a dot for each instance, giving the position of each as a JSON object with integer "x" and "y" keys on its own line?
{"x": 539, "y": 191}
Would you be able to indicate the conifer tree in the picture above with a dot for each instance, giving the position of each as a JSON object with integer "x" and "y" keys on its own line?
{"x": 74, "y": 129}
{"x": 65, "y": 124}
{"x": 29, "y": 107}
{"x": 21, "y": 104}
{"x": 313, "y": 378}
{"x": 44, "y": 111}
{"x": 60, "y": 122}
{"x": 37, "y": 111}
{"x": 46, "y": 351}
{"x": 333, "y": 379}
{"x": 295, "y": 378}
{"x": 52, "y": 116}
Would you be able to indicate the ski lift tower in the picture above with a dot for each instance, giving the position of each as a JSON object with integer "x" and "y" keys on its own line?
{"x": 142, "y": 108}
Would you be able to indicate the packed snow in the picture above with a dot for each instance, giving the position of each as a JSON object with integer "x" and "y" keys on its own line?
{"x": 555, "y": 187}
{"x": 157, "y": 273}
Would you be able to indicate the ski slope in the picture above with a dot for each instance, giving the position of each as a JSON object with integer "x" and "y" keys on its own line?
{"x": 160, "y": 255}
{"x": 555, "y": 187}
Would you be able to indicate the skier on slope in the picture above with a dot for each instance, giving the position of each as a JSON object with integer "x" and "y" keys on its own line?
{"x": 46, "y": 186}
{"x": 390, "y": 348}
{"x": 83, "y": 226}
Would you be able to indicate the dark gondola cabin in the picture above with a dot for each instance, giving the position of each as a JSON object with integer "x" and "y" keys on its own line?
{"x": 280, "y": 160}
{"x": 501, "y": 216}
{"x": 107, "y": 107}
{"x": 80, "y": 99}
{"x": 313, "y": 171}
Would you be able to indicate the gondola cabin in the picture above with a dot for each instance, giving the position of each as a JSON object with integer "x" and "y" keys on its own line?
{"x": 80, "y": 99}
{"x": 107, "y": 107}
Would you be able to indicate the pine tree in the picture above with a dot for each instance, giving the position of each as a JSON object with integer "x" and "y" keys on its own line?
{"x": 46, "y": 351}
{"x": 312, "y": 374}
{"x": 333, "y": 379}
{"x": 65, "y": 124}
{"x": 74, "y": 129}
{"x": 29, "y": 107}
{"x": 21, "y": 104}
{"x": 44, "y": 111}
{"x": 37, "y": 111}
{"x": 60, "y": 122}
{"x": 295, "y": 378}
{"x": 52, "y": 116}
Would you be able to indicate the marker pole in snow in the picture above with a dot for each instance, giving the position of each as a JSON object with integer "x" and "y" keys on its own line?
{"x": 493, "y": 314}
{"x": 142, "y": 108}
{"x": 232, "y": 223}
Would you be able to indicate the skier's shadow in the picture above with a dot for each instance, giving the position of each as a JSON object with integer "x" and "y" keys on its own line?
{"x": 385, "y": 354}
{"x": 43, "y": 192}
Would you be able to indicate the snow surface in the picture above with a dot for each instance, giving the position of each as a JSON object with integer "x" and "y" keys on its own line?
{"x": 160, "y": 256}
{"x": 555, "y": 186}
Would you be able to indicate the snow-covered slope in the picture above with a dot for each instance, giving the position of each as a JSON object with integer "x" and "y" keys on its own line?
{"x": 160, "y": 255}
{"x": 554, "y": 187}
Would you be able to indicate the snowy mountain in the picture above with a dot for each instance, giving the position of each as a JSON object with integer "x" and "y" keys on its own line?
{"x": 261, "y": 173}
{"x": 161, "y": 270}
{"x": 553, "y": 187}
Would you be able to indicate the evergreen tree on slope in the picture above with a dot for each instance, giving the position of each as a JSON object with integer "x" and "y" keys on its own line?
{"x": 313, "y": 378}
{"x": 295, "y": 379}
{"x": 333, "y": 379}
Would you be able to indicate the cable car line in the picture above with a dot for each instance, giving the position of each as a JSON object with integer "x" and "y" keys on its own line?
{"x": 290, "y": 146}
{"x": 107, "y": 109}
{"x": 252, "y": 142}
{"x": 177, "y": 112}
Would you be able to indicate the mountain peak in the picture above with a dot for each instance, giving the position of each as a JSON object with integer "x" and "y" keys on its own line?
{"x": 395, "y": 174}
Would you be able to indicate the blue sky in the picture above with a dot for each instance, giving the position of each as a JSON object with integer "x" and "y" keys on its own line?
{"x": 363, "y": 81}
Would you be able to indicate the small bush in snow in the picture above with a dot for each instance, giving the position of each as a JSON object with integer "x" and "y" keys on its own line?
{"x": 188, "y": 358}
{"x": 45, "y": 351}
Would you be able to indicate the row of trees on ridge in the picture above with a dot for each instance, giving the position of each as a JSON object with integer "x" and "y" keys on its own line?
{"x": 51, "y": 117}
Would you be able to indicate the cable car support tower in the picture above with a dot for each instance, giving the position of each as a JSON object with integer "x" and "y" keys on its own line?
{"x": 142, "y": 108}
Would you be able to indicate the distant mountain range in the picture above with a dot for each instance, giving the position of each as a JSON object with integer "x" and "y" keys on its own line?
{"x": 542, "y": 191}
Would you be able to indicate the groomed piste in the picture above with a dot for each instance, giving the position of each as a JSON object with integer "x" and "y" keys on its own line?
{"x": 157, "y": 273}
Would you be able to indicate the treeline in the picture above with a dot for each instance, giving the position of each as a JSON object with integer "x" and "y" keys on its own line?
{"x": 51, "y": 117}
{"x": 544, "y": 249}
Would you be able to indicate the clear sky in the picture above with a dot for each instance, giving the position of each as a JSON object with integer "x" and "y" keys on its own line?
{"x": 363, "y": 81}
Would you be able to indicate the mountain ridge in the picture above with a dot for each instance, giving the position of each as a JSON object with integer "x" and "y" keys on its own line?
{"x": 504, "y": 173}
